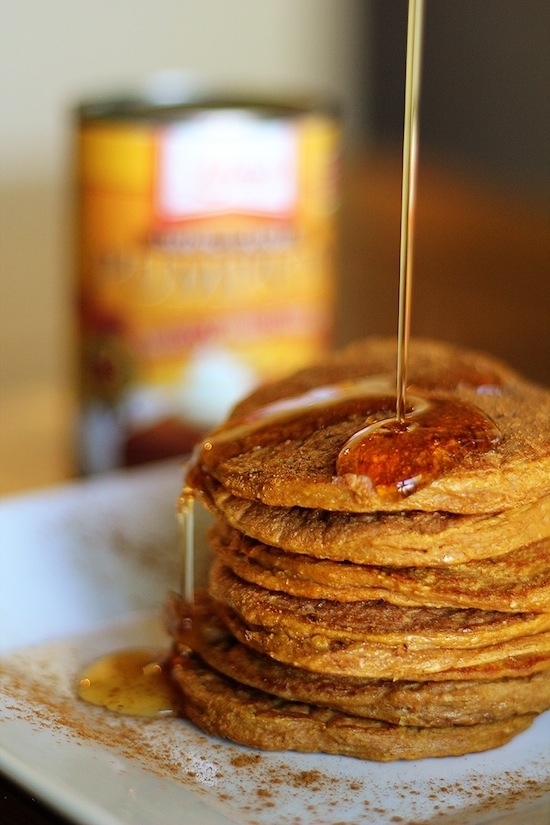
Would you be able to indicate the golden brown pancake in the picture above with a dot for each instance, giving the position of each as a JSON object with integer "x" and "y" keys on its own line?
{"x": 378, "y": 593}
{"x": 405, "y": 539}
{"x": 376, "y": 640}
{"x": 424, "y": 704}
{"x": 377, "y": 661}
{"x": 380, "y": 622}
{"x": 517, "y": 582}
{"x": 222, "y": 707}
{"x": 289, "y": 459}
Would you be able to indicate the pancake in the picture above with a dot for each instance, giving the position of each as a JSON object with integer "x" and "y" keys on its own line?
{"x": 377, "y": 640}
{"x": 285, "y": 455}
{"x": 403, "y": 539}
{"x": 222, "y": 707}
{"x": 368, "y": 659}
{"x": 516, "y": 582}
{"x": 379, "y": 588}
{"x": 424, "y": 704}
{"x": 380, "y": 622}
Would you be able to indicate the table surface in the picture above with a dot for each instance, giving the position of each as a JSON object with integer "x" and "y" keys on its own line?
{"x": 481, "y": 278}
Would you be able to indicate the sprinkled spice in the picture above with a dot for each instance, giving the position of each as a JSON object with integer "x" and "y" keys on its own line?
{"x": 38, "y": 690}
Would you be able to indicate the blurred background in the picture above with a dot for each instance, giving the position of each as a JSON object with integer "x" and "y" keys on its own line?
{"x": 482, "y": 275}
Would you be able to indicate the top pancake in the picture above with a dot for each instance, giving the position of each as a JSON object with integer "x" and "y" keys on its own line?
{"x": 289, "y": 459}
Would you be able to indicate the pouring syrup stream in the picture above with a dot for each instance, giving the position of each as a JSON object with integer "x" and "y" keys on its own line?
{"x": 408, "y": 195}
{"x": 405, "y": 441}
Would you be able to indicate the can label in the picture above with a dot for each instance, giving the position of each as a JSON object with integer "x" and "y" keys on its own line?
{"x": 206, "y": 267}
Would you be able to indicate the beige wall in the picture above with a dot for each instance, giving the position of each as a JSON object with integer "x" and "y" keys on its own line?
{"x": 55, "y": 52}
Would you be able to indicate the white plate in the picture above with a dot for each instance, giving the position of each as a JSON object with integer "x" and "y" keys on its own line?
{"x": 90, "y": 564}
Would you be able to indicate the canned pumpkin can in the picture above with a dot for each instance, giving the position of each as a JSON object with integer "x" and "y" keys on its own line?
{"x": 206, "y": 264}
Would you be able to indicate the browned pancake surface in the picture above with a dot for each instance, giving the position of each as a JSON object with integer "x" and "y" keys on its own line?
{"x": 415, "y": 628}
{"x": 424, "y": 704}
{"x": 516, "y": 582}
{"x": 289, "y": 465}
{"x": 376, "y": 640}
{"x": 411, "y": 538}
{"x": 333, "y": 657}
{"x": 251, "y": 717}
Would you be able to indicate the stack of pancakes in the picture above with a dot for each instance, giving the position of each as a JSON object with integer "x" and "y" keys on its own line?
{"x": 347, "y": 619}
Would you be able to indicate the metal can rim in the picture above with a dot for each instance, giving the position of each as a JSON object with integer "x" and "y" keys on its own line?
{"x": 144, "y": 108}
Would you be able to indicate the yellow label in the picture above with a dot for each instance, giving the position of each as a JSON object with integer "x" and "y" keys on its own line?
{"x": 206, "y": 259}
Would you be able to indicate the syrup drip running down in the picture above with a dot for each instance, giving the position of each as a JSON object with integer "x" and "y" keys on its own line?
{"x": 186, "y": 531}
{"x": 137, "y": 682}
